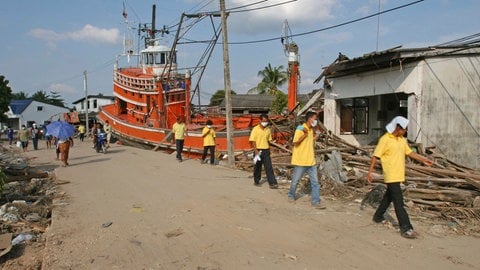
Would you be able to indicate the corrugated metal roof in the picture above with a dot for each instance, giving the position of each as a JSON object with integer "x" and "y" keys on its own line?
{"x": 392, "y": 57}
{"x": 250, "y": 101}
{"x": 18, "y": 106}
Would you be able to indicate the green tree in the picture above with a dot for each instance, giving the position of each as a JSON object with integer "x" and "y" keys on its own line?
{"x": 20, "y": 95}
{"x": 279, "y": 102}
{"x": 54, "y": 98}
{"x": 5, "y": 97}
{"x": 272, "y": 78}
{"x": 40, "y": 96}
{"x": 218, "y": 97}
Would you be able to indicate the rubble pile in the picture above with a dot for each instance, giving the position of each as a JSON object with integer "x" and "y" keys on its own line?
{"x": 25, "y": 204}
{"x": 446, "y": 190}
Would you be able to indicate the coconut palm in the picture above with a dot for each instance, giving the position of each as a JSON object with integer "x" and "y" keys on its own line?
{"x": 272, "y": 78}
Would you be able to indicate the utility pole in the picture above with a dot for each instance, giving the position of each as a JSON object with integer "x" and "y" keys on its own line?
{"x": 228, "y": 90}
{"x": 86, "y": 101}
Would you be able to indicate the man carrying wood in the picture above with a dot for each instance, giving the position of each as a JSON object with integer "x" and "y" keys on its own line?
{"x": 391, "y": 150}
{"x": 260, "y": 139}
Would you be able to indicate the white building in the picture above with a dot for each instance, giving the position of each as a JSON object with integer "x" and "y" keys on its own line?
{"x": 94, "y": 102}
{"x": 26, "y": 112}
{"x": 436, "y": 88}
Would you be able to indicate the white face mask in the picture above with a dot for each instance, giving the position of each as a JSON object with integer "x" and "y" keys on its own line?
{"x": 209, "y": 126}
{"x": 314, "y": 123}
{"x": 264, "y": 124}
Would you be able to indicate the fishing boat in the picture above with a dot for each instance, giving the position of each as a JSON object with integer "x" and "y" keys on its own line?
{"x": 150, "y": 95}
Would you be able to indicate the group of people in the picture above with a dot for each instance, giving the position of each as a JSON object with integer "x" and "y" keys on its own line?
{"x": 179, "y": 131}
{"x": 392, "y": 149}
{"x": 24, "y": 136}
{"x": 62, "y": 146}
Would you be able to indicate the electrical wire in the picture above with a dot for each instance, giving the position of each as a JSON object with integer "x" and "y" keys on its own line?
{"x": 330, "y": 27}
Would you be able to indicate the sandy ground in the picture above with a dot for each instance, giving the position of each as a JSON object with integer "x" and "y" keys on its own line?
{"x": 139, "y": 209}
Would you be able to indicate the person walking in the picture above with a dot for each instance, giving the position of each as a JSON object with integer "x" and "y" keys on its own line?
{"x": 180, "y": 131}
{"x": 391, "y": 149}
{"x": 108, "y": 130}
{"x": 35, "y": 132}
{"x": 260, "y": 138}
{"x": 208, "y": 134}
{"x": 303, "y": 159}
{"x": 23, "y": 137}
{"x": 63, "y": 146}
{"x": 10, "y": 134}
{"x": 81, "y": 132}
{"x": 96, "y": 134}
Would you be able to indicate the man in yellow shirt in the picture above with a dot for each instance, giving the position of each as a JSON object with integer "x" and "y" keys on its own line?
{"x": 260, "y": 139}
{"x": 208, "y": 134}
{"x": 303, "y": 159}
{"x": 180, "y": 131}
{"x": 81, "y": 131}
{"x": 391, "y": 150}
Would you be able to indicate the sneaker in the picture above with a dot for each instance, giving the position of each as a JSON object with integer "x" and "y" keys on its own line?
{"x": 319, "y": 206}
{"x": 291, "y": 199}
{"x": 274, "y": 186}
{"x": 257, "y": 184}
{"x": 410, "y": 234}
{"x": 202, "y": 162}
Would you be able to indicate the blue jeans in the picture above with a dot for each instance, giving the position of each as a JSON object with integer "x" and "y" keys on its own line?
{"x": 298, "y": 172}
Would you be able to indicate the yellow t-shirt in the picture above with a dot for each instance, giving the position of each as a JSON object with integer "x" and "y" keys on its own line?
{"x": 81, "y": 129}
{"x": 179, "y": 130}
{"x": 391, "y": 150}
{"x": 209, "y": 139}
{"x": 261, "y": 137}
{"x": 304, "y": 153}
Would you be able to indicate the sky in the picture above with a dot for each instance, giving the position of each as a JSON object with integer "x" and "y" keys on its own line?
{"x": 47, "y": 45}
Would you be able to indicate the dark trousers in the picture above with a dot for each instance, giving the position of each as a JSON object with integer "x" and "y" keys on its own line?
{"x": 82, "y": 136}
{"x": 35, "y": 143}
{"x": 267, "y": 163}
{"x": 394, "y": 194}
{"x": 212, "y": 153}
{"x": 179, "y": 146}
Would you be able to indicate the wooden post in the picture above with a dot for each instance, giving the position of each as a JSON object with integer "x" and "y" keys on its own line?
{"x": 228, "y": 90}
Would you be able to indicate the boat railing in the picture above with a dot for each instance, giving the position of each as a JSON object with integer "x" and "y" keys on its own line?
{"x": 141, "y": 84}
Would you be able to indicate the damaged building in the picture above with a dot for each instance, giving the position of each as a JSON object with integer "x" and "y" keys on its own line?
{"x": 436, "y": 88}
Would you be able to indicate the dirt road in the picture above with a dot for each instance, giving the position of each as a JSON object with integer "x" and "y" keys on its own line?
{"x": 160, "y": 214}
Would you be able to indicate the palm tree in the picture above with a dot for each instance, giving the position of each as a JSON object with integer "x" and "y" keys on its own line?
{"x": 272, "y": 78}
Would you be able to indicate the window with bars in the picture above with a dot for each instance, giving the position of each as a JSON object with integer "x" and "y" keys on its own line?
{"x": 354, "y": 116}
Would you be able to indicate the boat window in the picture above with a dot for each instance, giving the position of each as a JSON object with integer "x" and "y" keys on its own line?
{"x": 148, "y": 57}
{"x": 163, "y": 61}
{"x": 157, "y": 59}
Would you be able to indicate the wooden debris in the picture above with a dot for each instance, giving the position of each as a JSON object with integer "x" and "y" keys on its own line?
{"x": 446, "y": 189}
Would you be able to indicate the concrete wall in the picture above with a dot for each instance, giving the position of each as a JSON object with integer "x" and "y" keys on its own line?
{"x": 398, "y": 79}
{"x": 48, "y": 113}
{"x": 100, "y": 102}
{"x": 450, "y": 106}
{"x": 443, "y": 104}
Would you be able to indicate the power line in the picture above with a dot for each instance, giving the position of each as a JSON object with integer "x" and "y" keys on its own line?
{"x": 330, "y": 27}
